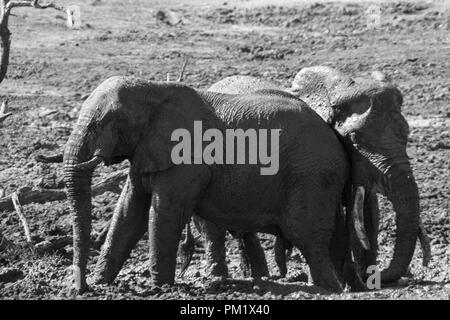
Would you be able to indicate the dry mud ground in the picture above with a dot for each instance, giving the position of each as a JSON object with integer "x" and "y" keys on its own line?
{"x": 53, "y": 69}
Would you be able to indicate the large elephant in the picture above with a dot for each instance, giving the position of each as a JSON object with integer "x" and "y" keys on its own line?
{"x": 129, "y": 118}
{"x": 366, "y": 115}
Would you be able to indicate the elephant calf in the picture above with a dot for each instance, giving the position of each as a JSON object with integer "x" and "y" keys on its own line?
{"x": 134, "y": 119}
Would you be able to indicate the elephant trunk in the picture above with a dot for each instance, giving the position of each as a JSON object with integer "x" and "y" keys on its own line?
{"x": 402, "y": 191}
{"x": 78, "y": 187}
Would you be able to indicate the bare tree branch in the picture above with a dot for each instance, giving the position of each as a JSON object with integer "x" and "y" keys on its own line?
{"x": 56, "y": 158}
{"x": 27, "y": 195}
{"x": 5, "y": 42}
{"x": 52, "y": 244}
{"x": 33, "y": 4}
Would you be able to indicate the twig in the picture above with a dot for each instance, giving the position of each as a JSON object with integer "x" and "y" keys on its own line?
{"x": 183, "y": 68}
{"x": 18, "y": 207}
{"x": 3, "y": 111}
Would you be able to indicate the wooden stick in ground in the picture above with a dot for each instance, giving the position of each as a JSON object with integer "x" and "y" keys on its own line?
{"x": 183, "y": 68}
{"x": 19, "y": 211}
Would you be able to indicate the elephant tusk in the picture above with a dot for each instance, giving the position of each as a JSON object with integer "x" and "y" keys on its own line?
{"x": 358, "y": 217}
{"x": 425, "y": 244}
{"x": 89, "y": 165}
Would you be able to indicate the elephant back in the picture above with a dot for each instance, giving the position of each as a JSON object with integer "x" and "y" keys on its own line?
{"x": 242, "y": 84}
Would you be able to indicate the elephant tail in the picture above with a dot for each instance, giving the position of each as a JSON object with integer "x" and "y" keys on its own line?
{"x": 187, "y": 249}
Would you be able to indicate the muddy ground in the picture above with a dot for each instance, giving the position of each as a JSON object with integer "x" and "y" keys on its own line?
{"x": 53, "y": 69}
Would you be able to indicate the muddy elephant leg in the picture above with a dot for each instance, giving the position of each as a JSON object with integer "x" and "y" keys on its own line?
{"x": 321, "y": 265}
{"x": 214, "y": 247}
{"x": 252, "y": 255}
{"x": 175, "y": 194}
{"x": 165, "y": 226}
{"x": 313, "y": 237}
{"x": 128, "y": 225}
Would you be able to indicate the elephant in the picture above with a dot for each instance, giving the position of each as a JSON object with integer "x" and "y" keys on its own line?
{"x": 252, "y": 254}
{"x": 127, "y": 118}
{"x": 366, "y": 115}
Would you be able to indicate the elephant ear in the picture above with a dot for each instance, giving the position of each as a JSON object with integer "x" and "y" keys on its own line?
{"x": 320, "y": 87}
{"x": 180, "y": 111}
{"x": 153, "y": 152}
{"x": 351, "y": 107}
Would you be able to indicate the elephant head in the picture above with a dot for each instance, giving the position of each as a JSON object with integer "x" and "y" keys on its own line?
{"x": 367, "y": 116}
{"x": 124, "y": 118}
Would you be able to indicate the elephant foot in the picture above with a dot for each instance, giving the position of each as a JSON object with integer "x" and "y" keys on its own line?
{"x": 322, "y": 270}
{"x": 74, "y": 287}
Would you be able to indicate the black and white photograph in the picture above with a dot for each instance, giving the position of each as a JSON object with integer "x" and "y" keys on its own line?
{"x": 230, "y": 154}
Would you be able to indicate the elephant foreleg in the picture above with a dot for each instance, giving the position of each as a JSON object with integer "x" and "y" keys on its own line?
{"x": 128, "y": 225}
{"x": 165, "y": 225}
{"x": 314, "y": 237}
